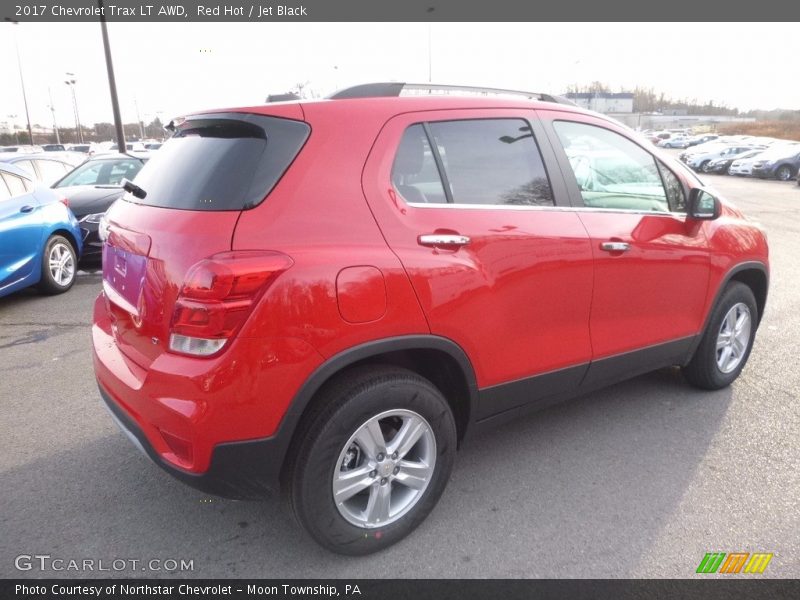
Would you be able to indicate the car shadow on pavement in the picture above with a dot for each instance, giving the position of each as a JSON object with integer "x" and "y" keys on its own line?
{"x": 580, "y": 489}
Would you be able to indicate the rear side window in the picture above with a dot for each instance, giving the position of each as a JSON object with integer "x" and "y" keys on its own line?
{"x": 414, "y": 173}
{"x": 16, "y": 185}
{"x": 227, "y": 161}
{"x": 483, "y": 161}
{"x": 4, "y": 193}
{"x": 51, "y": 170}
{"x": 27, "y": 166}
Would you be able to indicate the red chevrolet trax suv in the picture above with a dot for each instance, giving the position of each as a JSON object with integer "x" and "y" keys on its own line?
{"x": 324, "y": 297}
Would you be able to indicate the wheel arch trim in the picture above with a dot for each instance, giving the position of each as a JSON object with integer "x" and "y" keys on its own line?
{"x": 339, "y": 362}
{"x": 753, "y": 265}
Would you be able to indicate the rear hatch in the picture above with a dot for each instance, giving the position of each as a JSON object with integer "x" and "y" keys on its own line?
{"x": 181, "y": 211}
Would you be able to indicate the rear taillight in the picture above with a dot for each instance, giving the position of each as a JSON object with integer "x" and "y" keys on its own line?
{"x": 218, "y": 295}
{"x": 65, "y": 202}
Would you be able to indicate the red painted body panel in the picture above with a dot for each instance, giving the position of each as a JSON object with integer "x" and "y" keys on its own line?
{"x": 175, "y": 245}
{"x": 654, "y": 292}
{"x": 517, "y": 298}
{"x": 531, "y": 293}
{"x": 732, "y": 240}
{"x": 206, "y": 401}
{"x": 361, "y": 294}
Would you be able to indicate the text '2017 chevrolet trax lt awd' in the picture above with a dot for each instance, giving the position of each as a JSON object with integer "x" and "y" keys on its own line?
{"x": 324, "y": 296}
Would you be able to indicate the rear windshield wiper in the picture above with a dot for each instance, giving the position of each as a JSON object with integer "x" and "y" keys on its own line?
{"x": 134, "y": 189}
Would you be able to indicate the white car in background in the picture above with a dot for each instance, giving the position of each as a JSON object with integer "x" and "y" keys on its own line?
{"x": 744, "y": 166}
{"x": 677, "y": 141}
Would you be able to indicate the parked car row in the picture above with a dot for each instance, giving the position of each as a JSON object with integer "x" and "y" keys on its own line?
{"x": 91, "y": 148}
{"x": 681, "y": 140}
{"x": 54, "y": 196}
{"x": 766, "y": 158}
{"x": 45, "y": 167}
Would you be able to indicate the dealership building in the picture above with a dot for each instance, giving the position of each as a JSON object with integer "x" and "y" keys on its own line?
{"x": 604, "y": 102}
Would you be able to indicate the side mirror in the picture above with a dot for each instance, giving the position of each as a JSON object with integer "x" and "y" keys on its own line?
{"x": 703, "y": 205}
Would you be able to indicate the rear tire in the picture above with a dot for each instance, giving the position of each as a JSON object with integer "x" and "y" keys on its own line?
{"x": 348, "y": 444}
{"x": 727, "y": 341}
{"x": 59, "y": 266}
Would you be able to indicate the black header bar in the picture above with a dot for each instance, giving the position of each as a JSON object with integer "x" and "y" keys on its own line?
{"x": 185, "y": 11}
{"x": 731, "y": 588}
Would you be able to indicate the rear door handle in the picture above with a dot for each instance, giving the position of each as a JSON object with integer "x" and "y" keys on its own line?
{"x": 26, "y": 209}
{"x": 439, "y": 239}
{"x": 615, "y": 246}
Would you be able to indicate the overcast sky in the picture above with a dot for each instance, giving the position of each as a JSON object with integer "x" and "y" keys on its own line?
{"x": 177, "y": 68}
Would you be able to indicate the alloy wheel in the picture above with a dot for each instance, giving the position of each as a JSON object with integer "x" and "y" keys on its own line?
{"x": 734, "y": 337}
{"x": 384, "y": 468}
{"x": 61, "y": 263}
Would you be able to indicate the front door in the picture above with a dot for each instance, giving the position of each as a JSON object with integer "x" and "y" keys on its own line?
{"x": 651, "y": 261}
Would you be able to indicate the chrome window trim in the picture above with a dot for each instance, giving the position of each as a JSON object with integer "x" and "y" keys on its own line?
{"x": 544, "y": 208}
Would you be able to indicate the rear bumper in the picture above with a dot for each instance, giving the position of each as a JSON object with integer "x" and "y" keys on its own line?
{"x": 238, "y": 470}
{"x": 213, "y": 423}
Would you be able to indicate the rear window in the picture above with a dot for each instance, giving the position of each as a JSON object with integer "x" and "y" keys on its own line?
{"x": 226, "y": 161}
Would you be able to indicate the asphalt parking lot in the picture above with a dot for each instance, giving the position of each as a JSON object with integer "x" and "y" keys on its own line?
{"x": 638, "y": 480}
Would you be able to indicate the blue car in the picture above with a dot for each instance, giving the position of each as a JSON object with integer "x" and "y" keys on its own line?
{"x": 40, "y": 241}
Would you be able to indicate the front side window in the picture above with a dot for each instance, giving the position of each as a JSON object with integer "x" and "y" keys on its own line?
{"x": 611, "y": 171}
{"x": 675, "y": 194}
{"x": 480, "y": 162}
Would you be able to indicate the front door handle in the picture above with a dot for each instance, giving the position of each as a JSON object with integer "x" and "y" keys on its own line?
{"x": 26, "y": 209}
{"x": 615, "y": 246}
{"x": 440, "y": 239}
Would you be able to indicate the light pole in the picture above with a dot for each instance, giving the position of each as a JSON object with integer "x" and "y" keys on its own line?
{"x": 53, "y": 110}
{"x": 112, "y": 83}
{"x": 71, "y": 81}
{"x": 22, "y": 80}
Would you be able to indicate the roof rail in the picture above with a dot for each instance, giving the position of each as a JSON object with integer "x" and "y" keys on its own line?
{"x": 395, "y": 88}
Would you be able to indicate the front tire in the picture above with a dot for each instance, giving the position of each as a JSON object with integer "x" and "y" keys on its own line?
{"x": 727, "y": 341}
{"x": 373, "y": 459}
{"x": 784, "y": 173}
{"x": 59, "y": 266}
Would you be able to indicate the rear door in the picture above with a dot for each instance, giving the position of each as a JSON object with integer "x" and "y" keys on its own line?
{"x": 20, "y": 229}
{"x": 651, "y": 261}
{"x": 473, "y": 205}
